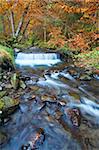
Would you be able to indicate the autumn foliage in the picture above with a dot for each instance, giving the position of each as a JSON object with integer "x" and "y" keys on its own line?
{"x": 55, "y": 22}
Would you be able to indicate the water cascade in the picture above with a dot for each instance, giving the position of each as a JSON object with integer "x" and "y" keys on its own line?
{"x": 55, "y": 112}
{"x": 33, "y": 59}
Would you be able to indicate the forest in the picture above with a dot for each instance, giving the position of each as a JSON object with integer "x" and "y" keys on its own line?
{"x": 49, "y": 75}
{"x": 57, "y": 24}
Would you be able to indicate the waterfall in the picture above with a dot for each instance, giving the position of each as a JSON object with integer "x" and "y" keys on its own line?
{"x": 31, "y": 59}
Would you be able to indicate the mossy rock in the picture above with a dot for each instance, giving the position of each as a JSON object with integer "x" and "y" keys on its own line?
{"x": 3, "y": 138}
{"x": 7, "y": 106}
{"x": 15, "y": 80}
{"x": 2, "y": 93}
{"x": 7, "y": 102}
{"x": 6, "y": 58}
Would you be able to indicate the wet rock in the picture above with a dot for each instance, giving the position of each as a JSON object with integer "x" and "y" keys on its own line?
{"x": 73, "y": 72}
{"x": 73, "y": 115}
{"x": 25, "y": 77}
{"x": 85, "y": 77}
{"x": 7, "y": 106}
{"x": 2, "y": 93}
{"x": 89, "y": 136}
{"x": 27, "y": 96}
{"x": 48, "y": 98}
{"x": 9, "y": 102}
{"x": 74, "y": 95}
{"x": 30, "y": 82}
{"x": 15, "y": 81}
{"x": 62, "y": 102}
{"x": 22, "y": 84}
{"x": 35, "y": 140}
{"x": 8, "y": 86}
{"x": 52, "y": 108}
{"x": 34, "y": 88}
{"x": 58, "y": 114}
{"x": 3, "y": 138}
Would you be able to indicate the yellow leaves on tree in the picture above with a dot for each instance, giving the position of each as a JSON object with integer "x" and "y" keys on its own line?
{"x": 78, "y": 43}
{"x": 56, "y": 37}
{"x": 54, "y": 21}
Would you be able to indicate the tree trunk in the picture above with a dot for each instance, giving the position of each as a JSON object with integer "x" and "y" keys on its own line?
{"x": 25, "y": 29}
{"x": 12, "y": 23}
{"x": 45, "y": 32}
{"x": 21, "y": 22}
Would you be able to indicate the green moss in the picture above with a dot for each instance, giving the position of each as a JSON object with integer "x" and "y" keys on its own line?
{"x": 9, "y": 50}
{"x": 1, "y": 104}
{"x": 2, "y": 93}
{"x": 7, "y": 102}
{"x": 6, "y": 52}
{"x": 89, "y": 59}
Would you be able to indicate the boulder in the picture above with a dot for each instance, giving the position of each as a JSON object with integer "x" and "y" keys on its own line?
{"x": 6, "y": 60}
{"x": 7, "y": 106}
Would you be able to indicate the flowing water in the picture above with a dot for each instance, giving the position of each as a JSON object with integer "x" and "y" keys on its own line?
{"x": 28, "y": 59}
{"x": 57, "y": 111}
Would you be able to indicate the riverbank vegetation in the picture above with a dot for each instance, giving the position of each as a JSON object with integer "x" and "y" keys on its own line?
{"x": 64, "y": 25}
{"x": 6, "y": 57}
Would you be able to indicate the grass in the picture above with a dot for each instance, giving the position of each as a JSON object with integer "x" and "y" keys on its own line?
{"x": 90, "y": 59}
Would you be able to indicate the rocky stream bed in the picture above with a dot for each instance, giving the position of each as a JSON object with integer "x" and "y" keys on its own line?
{"x": 51, "y": 108}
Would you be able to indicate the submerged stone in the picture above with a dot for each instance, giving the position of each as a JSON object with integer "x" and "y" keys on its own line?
{"x": 74, "y": 115}
{"x": 3, "y": 138}
{"x": 74, "y": 95}
{"x": 35, "y": 140}
{"x": 48, "y": 98}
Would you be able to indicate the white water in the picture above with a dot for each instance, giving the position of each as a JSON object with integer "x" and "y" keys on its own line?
{"x": 88, "y": 109}
{"x": 52, "y": 82}
{"x": 68, "y": 76}
{"x": 55, "y": 75}
{"x": 30, "y": 59}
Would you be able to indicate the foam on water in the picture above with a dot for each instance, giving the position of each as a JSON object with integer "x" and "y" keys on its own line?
{"x": 52, "y": 82}
{"x": 31, "y": 59}
{"x": 68, "y": 76}
{"x": 88, "y": 109}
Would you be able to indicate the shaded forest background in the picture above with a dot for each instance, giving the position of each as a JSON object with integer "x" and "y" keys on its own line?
{"x": 67, "y": 25}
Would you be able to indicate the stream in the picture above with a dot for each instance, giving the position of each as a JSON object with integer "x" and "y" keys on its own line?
{"x": 57, "y": 111}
